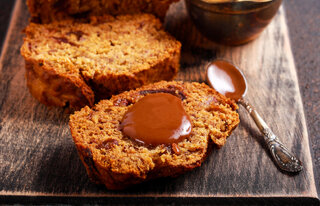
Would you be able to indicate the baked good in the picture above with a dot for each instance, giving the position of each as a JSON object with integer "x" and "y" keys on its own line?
{"x": 71, "y": 62}
{"x": 46, "y": 11}
{"x": 118, "y": 161}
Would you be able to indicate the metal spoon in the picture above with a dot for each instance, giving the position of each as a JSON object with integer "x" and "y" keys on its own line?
{"x": 228, "y": 80}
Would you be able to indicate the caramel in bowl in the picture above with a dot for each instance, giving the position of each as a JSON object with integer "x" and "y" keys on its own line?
{"x": 231, "y": 23}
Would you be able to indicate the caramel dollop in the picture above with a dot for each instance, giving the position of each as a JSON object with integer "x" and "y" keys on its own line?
{"x": 157, "y": 119}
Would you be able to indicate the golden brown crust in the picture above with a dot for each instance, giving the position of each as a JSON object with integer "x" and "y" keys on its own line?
{"x": 118, "y": 161}
{"x": 106, "y": 56}
{"x": 53, "y": 89}
{"x": 44, "y": 11}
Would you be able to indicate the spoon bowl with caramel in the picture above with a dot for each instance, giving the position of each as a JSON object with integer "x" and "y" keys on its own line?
{"x": 228, "y": 80}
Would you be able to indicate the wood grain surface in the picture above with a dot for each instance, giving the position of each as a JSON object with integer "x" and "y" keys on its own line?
{"x": 303, "y": 18}
{"x": 38, "y": 160}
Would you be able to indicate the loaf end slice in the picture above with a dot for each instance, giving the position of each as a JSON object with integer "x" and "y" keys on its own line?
{"x": 118, "y": 161}
{"x": 44, "y": 11}
{"x": 72, "y": 62}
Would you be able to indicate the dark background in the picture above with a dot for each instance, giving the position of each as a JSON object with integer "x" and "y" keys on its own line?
{"x": 303, "y": 18}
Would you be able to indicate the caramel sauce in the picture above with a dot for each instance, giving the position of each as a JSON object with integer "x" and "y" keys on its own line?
{"x": 226, "y": 79}
{"x": 232, "y": 22}
{"x": 157, "y": 119}
{"x": 175, "y": 148}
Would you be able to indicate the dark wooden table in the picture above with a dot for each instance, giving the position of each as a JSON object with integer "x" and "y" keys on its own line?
{"x": 303, "y": 19}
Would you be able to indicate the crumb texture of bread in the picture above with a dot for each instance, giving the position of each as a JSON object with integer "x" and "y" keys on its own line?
{"x": 46, "y": 11}
{"x": 75, "y": 62}
{"x": 118, "y": 161}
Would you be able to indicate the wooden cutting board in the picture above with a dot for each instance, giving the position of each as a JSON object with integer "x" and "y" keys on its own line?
{"x": 39, "y": 162}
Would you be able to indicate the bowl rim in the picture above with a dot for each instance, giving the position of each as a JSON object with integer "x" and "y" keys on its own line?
{"x": 213, "y": 7}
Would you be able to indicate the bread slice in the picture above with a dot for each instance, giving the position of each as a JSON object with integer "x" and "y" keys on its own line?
{"x": 118, "y": 161}
{"x": 45, "y": 11}
{"x": 71, "y": 62}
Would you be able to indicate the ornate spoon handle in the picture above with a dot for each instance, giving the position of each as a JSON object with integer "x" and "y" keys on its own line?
{"x": 281, "y": 155}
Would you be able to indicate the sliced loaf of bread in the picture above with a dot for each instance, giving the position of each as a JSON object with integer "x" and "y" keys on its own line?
{"x": 72, "y": 63}
{"x": 44, "y": 11}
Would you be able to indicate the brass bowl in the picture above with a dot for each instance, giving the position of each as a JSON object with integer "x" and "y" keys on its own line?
{"x": 232, "y": 23}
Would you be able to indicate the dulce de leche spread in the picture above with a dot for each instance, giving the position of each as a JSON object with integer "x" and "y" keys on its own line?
{"x": 157, "y": 119}
{"x": 226, "y": 79}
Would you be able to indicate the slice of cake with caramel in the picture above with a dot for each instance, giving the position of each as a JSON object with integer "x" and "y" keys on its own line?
{"x": 158, "y": 130}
